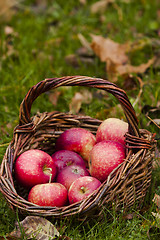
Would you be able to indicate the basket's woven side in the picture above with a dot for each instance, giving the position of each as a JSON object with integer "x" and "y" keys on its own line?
{"x": 123, "y": 188}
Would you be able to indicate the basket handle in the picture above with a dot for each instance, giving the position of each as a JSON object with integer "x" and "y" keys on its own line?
{"x": 52, "y": 83}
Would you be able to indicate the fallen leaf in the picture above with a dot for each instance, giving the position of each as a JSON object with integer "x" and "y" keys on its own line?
{"x": 116, "y": 57}
{"x": 127, "y": 68}
{"x": 6, "y": 9}
{"x": 156, "y": 200}
{"x": 75, "y": 59}
{"x": 35, "y": 227}
{"x": 107, "y": 49}
{"x": 76, "y": 103}
{"x": 83, "y": 52}
{"x": 84, "y": 42}
{"x": 129, "y": 216}
{"x": 130, "y": 83}
{"x": 8, "y": 30}
{"x": 72, "y": 60}
{"x": 53, "y": 97}
{"x": 78, "y": 99}
{"x": 157, "y": 216}
{"x": 100, "y": 6}
{"x": 82, "y": 2}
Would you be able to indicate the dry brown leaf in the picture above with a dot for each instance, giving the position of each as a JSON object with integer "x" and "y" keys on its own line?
{"x": 72, "y": 60}
{"x": 41, "y": 3}
{"x": 53, "y": 97}
{"x": 107, "y": 49}
{"x": 37, "y": 227}
{"x": 156, "y": 200}
{"x": 76, "y": 103}
{"x": 134, "y": 69}
{"x": 84, "y": 42}
{"x": 116, "y": 58}
{"x": 6, "y": 9}
{"x": 129, "y": 216}
{"x": 100, "y": 6}
{"x": 8, "y": 30}
{"x": 82, "y": 2}
{"x": 78, "y": 99}
{"x": 157, "y": 216}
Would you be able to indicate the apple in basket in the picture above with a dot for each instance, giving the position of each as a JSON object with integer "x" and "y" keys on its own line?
{"x": 81, "y": 188}
{"x": 48, "y": 194}
{"x": 78, "y": 140}
{"x": 64, "y": 158}
{"x": 34, "y": 167}
{"x": 71, "y": 173}
{"x": 112, "y": 129}
{"x": 105, "y": 157}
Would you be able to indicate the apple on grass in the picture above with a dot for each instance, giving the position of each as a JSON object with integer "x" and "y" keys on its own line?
{"x": 105, "y": 157}
{"x": 34, "y": 167}
{"x": 78, "y": 140}
{"x": 81, "y": 188}
{"x": 48, "y": 194}
{"x": 112, "y": 129}
{"x": 71, "y": 173}
{"x": 64, "y": 158}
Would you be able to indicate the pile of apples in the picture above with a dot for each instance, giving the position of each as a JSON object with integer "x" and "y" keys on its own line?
{"x": 78, "y": 166}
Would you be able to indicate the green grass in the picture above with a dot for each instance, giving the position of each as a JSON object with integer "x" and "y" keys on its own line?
{"x": 41, "y": 40}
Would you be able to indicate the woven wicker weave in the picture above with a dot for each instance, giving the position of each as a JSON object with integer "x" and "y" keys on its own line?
{"x": 124, "y": 187}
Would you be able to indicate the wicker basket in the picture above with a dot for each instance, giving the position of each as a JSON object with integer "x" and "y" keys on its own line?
{"x": 126, "y": 186}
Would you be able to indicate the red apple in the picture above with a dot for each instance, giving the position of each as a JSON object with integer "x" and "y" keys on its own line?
{"x": 34, "y": 167}
{"x": 78, "y": 140}
{"x": 48, "y": 194}
{"x": 82, "y": 188}
{"x": 105, "y": 156}
{"x": 64, "y": 158}
{"x": 70, "y": 173}
{"x": 112, "y": 129}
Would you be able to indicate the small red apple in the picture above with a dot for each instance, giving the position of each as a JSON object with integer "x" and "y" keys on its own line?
{"x": 34, "y": 167}
{"x": 64, "y": 158}
{"x": 105, "y": 156}
{"x": 70, "y": 173}
{"x": 112, "y": 129}
{"x": 81, "y": 188}
{"x": 48, "y": 194}
{"x": 78, "y": 140}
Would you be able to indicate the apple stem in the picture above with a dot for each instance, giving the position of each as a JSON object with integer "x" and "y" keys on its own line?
{"x": 50, "y": 177}
{"x": 48, "y": 172}
{"x": 83, "y": 189}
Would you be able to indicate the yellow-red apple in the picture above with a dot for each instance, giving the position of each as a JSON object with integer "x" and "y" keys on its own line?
{"x": 78, "y": 140}
{"x": 105, "y": 157}
{"x": 48, "y": 194}
{"x": 81, "y": 188}
{"x": 112, "y": 129}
